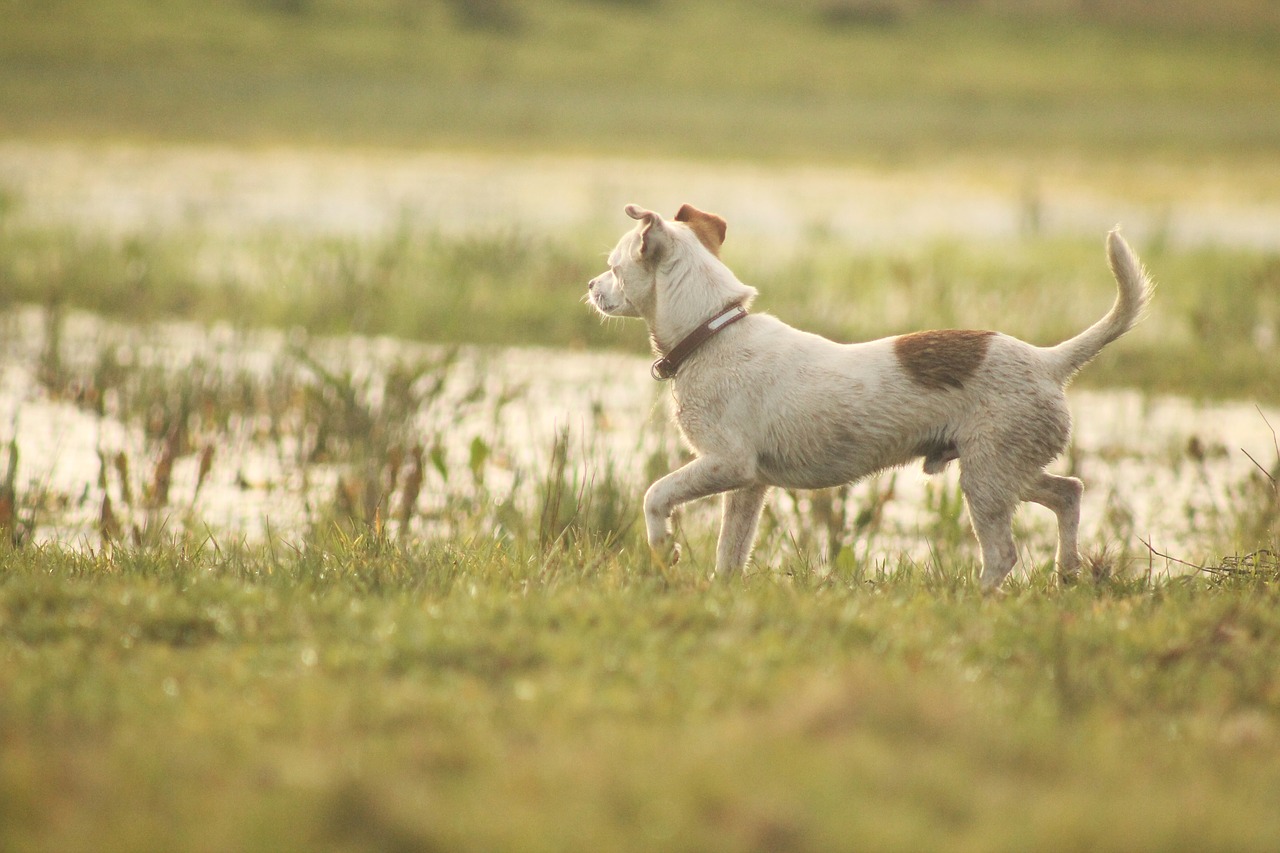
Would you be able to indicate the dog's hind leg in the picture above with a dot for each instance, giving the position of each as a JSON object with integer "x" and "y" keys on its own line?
{"x": 1062, "y": 495}
{"x": 703, "y": 477}
{"x": 738, "y": 529}
{"x": 995, "y": 534}
{"x": 991, "y": 509}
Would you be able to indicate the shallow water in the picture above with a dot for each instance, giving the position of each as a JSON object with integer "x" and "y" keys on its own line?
{"x": 231, "y": 191}
{"x": 1167, "y": 471}
{"x": 1164, "y": 470}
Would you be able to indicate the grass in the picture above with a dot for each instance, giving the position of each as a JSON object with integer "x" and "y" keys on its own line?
{"x": 817, "y": 80}
{"x": 470, "y": 696}
{"x": 522, "y": 678}
{"x": 519, "y": 677}
{"x": 437, "y": 663}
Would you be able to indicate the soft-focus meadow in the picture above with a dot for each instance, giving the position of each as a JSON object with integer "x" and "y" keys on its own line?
{"x": 320, "y": 486}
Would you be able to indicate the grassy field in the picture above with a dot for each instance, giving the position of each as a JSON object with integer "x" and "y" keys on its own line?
{"x": 468, "y": 695}
{"x": 516, "y": 676}
{"x": 523, "y": 679}
{"x": 817, "y": 79}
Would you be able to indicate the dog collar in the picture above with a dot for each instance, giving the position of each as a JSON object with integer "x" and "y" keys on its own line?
{"x": 666, "y": 367}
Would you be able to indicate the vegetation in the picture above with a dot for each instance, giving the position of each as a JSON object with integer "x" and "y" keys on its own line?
{"x": 816, "y": 79}
{"x": 1137, "y": 84}
{"x": 460, "y": 652}
{"x": 468, "y": 694}
{"x": 1211, "y": 333}
{"x": 480, "y": 672}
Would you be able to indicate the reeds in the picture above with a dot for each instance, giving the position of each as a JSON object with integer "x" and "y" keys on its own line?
{"x": 512, "y": 288}
{"x": 344, "y": 440}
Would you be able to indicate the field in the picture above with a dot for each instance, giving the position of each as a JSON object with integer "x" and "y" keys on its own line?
{"x": 825, "y": 79}
{"x": 468, "y": 696}
{"x": 319, "y": 486}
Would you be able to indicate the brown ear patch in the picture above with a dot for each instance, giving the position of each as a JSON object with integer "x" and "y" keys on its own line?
{"x": 709, "y": 228}
{"x": 942, "y": 359}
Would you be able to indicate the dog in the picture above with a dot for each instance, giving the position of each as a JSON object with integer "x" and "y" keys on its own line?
{"x": 763, "y": 404}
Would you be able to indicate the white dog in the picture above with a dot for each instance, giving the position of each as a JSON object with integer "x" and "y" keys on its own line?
{"x": 764, "y": 404}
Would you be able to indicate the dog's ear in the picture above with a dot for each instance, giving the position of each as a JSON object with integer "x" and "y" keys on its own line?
{"x": 709, "y": 228}
{"x": 652, "y": 230}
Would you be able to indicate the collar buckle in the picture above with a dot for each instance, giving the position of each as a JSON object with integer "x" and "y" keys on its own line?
{"x": 662, "y": 369}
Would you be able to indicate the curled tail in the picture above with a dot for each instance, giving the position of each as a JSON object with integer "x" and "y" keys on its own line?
{"x": 1135, "y": 289}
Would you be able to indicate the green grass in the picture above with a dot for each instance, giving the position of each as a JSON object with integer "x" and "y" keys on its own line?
{"x": 755, "y": 78}
{"x": 472, "y": 696}
{"x": 525, "y": 680}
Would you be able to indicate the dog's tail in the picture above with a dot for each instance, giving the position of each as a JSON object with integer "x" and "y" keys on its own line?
{"x": 1135, "y": 289}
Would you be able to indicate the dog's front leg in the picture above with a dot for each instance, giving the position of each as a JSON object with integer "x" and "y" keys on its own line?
{"x": 705, "y": 476}
{"x": 738, "y": 529}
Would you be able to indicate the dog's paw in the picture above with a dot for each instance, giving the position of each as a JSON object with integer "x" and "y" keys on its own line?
{"x": 990, "y": 586}
{"x": 993, "y": 592}
{"x": 1069, "y": 569}
{"x": 665, "y": 555}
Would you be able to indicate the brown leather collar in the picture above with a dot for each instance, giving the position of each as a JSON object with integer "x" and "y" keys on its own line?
{"x": 666, "y": 367}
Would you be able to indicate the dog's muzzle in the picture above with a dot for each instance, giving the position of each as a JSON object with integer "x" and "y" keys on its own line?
{"x": 603, "y": 301}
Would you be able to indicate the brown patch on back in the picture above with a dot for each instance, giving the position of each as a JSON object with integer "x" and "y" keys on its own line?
{"x": 709, "y": 228}
{"x": 942, "y": 359}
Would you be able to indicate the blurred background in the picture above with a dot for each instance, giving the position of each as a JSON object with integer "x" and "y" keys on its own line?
{"x": 452, "y": 170}
{"x": 826, "y": 81}
{"x": 455, "y": 168}
{"x": 883, "y": 164}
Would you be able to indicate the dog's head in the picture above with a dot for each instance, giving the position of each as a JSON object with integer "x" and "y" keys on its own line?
{"x": 668, "y": 273}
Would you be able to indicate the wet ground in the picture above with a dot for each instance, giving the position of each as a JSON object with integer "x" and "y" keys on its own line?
{"x": 1163, "y": 470}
